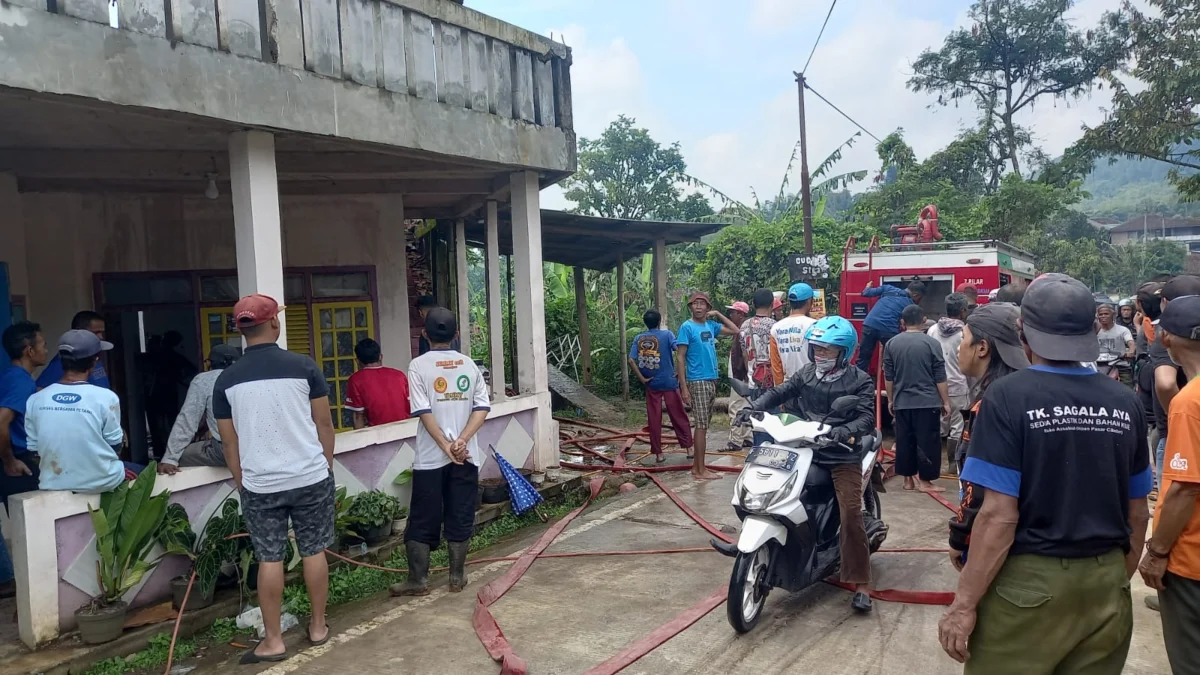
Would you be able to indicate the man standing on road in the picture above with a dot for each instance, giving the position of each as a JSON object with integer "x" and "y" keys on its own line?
{"x": 1116, "y": 345}
{"x": 376, "y": 394}
{"x": 914, "y": 373}
{"x": 1172, "y": 561}
{"x": 756, "y": 340}
{"x": 273, "y": 415}
{"x": 198, "y": 405}
{"x": 1060, "y": 453}
{"x": 450, "y": 397}
{"x": 740, "y": 435}
{"x": 652, "y": 357}
{"x": 698, "y": 371}
{"x": 883, "y": 321}
{"x": 948, "y": 332}
{"x": 789, "y": 350}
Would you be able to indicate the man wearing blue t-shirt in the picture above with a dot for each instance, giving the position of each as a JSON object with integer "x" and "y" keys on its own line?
{"x": 883, "y": 321}
{"x": 93, "y": 323}
{"x": 652, "y": 356}
{"x": 698, "y": 370}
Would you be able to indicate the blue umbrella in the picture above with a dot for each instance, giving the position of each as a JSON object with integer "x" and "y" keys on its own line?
{"x": 524, "y": 495}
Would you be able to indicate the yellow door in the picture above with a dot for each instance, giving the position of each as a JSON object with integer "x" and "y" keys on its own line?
{"x": 217, "y": 328}
{"x": 340, "y": 326}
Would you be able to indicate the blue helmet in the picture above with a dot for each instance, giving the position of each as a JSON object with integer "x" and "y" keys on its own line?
{"x": 833, "y": 331}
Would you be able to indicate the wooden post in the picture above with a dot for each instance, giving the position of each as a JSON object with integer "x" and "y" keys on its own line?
{"x": 806, "y": 206}
{"x": 660, "y": 280}
{"x": 585, "y": 337}
{"x": 621, "y": 326}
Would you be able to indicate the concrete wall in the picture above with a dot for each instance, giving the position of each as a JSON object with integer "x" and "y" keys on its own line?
{"x": 71, "y": 237}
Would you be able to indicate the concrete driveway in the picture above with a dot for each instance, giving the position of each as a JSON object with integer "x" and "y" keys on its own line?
{"x": 567, "y": 615}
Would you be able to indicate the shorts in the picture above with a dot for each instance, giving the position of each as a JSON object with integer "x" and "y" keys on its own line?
{"x": 703, "y": 392}
{"x": 310, "y": 510}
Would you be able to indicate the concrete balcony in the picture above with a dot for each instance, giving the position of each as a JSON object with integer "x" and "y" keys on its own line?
{"x": 427, "y": 75}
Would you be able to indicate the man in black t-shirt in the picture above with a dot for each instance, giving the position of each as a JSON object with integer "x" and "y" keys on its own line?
{"x": 1062, "y": 456}
{"x": 1168, "y": 377}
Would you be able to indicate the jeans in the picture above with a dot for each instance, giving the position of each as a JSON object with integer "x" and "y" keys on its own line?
{"x": 6, "y": 566}
{"x": 870, "y": 338}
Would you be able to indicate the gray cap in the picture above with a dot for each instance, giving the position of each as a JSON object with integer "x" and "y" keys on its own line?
{"x": 80, "y": 344}
{"x": 1058, "y": 318}
{"x": 998, "y": 321}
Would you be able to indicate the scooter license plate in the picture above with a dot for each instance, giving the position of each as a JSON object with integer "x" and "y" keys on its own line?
{"x": 773, "y": 458}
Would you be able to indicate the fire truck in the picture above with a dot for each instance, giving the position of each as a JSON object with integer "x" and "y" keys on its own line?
{"x": 919, "y": 253}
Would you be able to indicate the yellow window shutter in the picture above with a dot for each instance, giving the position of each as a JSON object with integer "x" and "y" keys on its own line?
{"x": 299, "y": 330}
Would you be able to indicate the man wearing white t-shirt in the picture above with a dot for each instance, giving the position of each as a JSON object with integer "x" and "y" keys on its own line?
{"x": 789, "y": 349}
{"x": 448, "y": 393}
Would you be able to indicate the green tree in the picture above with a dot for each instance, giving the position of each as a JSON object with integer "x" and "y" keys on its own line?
{"x": 1014, "y": 53}
{"x": 627, "y": 174}
{"x": 1161, "y": 121}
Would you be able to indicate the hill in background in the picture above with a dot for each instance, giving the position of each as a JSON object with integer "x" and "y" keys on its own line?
{"x": 1132, "y": 187}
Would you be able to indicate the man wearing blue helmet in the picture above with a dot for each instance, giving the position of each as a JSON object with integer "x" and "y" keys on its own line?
{"x": 810, "y": 393}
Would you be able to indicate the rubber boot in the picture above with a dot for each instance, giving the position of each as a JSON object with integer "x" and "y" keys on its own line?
{"x": 952, "y": 456}
{"x": 458, "y": 564}
{"x": 418, "y": 570}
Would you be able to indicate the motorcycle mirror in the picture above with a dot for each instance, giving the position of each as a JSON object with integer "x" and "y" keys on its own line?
{"x": 844, "y": 404}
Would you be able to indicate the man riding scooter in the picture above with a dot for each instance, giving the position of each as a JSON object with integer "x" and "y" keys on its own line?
{"x": 810, "y": 393}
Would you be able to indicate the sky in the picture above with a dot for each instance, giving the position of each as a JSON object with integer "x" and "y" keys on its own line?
{"x": 717, "y": 76}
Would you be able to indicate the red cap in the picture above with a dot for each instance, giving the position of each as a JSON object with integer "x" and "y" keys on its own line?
{"x": 777, "y": 304}
{"x": 698, "y": 295}
{"x": 256, "y": 309}
{"x": 964, "y": 287}
{"x": 739, "y": 306}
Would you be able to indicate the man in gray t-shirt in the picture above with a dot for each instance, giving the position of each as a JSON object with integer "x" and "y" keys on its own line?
{"x": 914, "y": 372}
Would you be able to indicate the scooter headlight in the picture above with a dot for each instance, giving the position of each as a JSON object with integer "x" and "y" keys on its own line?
{"x": 758, "y": 502}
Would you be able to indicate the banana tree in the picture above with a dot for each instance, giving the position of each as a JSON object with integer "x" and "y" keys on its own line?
{"x": 126, "y": 526}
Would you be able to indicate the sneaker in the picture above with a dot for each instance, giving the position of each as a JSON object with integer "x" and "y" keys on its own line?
{"x": 1152, "y": 602}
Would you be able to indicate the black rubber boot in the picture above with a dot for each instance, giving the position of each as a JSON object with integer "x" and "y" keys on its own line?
{"x": 418, "y": 570}
{"x": 458, "y": 564}
{"x": 861, "y": 603}
{"x": 952, "y": 456}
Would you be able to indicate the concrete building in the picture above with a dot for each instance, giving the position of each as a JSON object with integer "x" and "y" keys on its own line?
{"x": 161, "y": 158}
{"x": 1184, "y": 231}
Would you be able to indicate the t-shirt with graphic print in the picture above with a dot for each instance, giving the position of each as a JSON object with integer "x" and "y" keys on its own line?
{"x": 756, "y": 345}
{"x": 654, "y": 354}
{"x": 448, "y": 385}
{"x": 1113, "y": 342}
{"x": 1181, "y": 464}
{"x": 1070, "y": 445}
{"x": 75, "y": 428}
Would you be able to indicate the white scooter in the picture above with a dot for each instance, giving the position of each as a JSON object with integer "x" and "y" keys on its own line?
{"x": 789, "y": 512}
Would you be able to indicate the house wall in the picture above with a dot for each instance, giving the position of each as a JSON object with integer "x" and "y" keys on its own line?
{"x": 71, "y": 237}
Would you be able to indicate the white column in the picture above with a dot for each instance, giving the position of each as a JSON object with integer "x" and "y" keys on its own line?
{"x": 257, "y": 235}
{"x": 35, "y": 564}
{"x": 660, "y": 280}
{"x": 530, "y": 314}
{"x": 495, "y": 296}
{"x": 462, "y": 285}
{"x": 528, "y": 282}
{"x": 12, "y": 233}
{"x": 391, "y": 279}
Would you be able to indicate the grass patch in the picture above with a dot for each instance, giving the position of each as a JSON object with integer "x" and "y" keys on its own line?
{"x": 155, "y": 654}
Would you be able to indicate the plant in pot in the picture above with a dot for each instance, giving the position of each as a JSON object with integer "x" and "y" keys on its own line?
{"x": 208, "y": 551}
{"x": 345, "y": 525}
{"x": 374, "y": 511}
{"x": 126, "y": 526}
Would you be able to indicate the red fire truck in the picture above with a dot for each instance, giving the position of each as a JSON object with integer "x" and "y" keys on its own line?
{"x": 916, "y": 253}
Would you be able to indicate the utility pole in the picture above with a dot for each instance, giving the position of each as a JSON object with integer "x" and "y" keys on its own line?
{"x": 805, "y": 179}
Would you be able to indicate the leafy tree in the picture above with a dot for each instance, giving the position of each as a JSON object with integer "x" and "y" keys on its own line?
{"x": 627, "y": 174}
{"x": 1020, "y": 206}
{"x": 1161, "y": 121}
{"x": 1014, "y": 53}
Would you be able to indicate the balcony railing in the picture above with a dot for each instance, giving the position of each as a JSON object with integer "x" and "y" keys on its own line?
{"x": 431, "y": 49}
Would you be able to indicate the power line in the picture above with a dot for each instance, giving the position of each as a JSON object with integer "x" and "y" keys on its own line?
{"x": 864, "y": 129}
{"x": 814, "y": 49}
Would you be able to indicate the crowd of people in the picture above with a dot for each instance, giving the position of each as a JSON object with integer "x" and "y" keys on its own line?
{"x": 265, "y": 414}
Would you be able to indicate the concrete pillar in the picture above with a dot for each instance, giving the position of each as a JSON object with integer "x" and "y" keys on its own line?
{"x": 495, "y": 298}
{"x": 462, "y": 285}
{"x": 621, "y": 326}
{"x": 12, "y": 233}
{"x": 660, "y": 280}
{"x": 257, "y": 234}
{"x": 529, "y": 286}
{"x": 530, "y": 314}
{"x": 392, "y": 281}
{"x": 585, "y": 336}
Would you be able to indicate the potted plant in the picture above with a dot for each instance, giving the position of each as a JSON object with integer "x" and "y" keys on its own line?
{"x": 400, "y": 521}
{"x": 209, "y": 551}
{"x": 126, "y": 526}
{"x": 345, "y": 525}
{"x": 374, "y": 512}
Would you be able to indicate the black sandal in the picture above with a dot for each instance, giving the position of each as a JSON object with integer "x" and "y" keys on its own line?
{"x": 250, "y": 658}
{"x": 318, "y": 643}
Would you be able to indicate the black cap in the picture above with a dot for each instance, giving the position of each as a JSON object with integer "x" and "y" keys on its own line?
{"x": 1058, "y": 317}
{"x": 1182, "y": 317}
{"x": 998, "y": 321}
{"x": 223, "y": 355}
{"x": 1177, "y": 287}
{"x": 440, "y": 325}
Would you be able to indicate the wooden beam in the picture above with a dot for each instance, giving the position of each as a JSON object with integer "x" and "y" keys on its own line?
{"x": 585, "y": 337}
{"x": 660, "y": 280}
{"x": 621, "y": 326}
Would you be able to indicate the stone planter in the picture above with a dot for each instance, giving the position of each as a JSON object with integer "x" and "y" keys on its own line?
{"x": 195, "y": 600}
{"x": 399, "y": 525}
{"x": 374, "y": 535}
{"x": 97, "y": 626}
